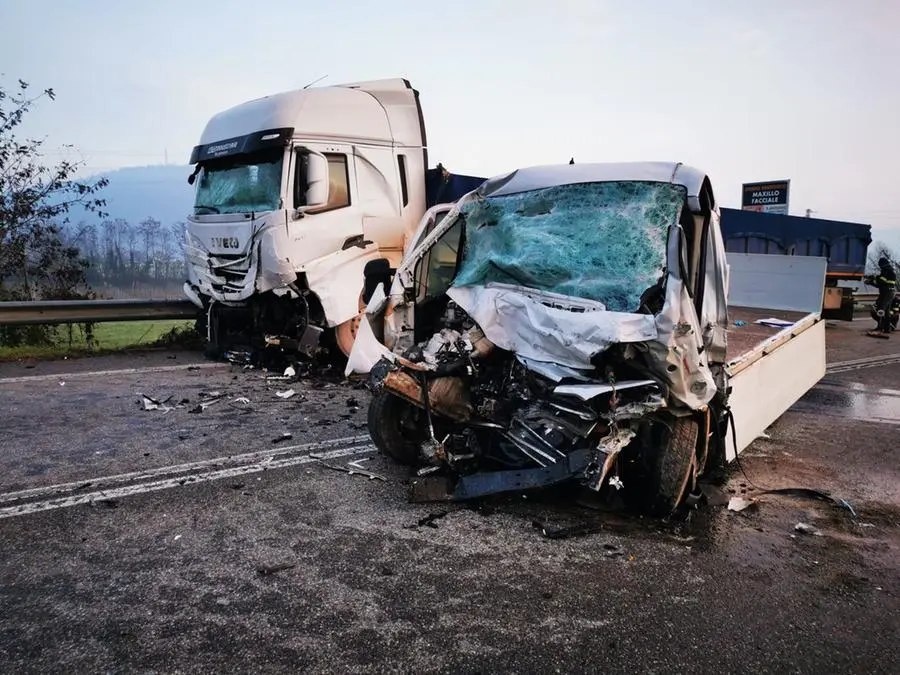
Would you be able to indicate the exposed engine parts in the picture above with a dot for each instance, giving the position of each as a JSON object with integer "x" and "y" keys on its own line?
{"x": 483, "y": 408}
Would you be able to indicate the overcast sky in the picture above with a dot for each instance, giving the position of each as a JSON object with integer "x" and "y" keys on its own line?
{"x": 800, "y": 89}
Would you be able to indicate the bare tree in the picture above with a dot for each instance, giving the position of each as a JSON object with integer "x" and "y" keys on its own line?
{"x": 878, "y": 250}
{"x": 36, "y": 196}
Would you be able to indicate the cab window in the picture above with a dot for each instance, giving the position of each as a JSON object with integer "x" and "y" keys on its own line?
{"x": 438, "y": 268}
{"x": 338, "y": 183}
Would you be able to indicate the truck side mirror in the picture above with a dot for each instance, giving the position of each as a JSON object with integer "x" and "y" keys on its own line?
{"x": 312, "y": 181}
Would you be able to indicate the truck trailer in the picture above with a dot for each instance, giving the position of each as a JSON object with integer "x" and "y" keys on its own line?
{"x": 844, "y": 244}
{"x": 584, "y": 325}
{"x": 295, "y": 194}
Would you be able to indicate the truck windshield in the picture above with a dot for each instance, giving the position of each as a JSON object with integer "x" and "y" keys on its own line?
{"x": 599, "y": 241}
{"x": 240, "y": 184}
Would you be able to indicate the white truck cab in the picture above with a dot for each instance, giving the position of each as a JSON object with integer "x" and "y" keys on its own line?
{"x": 295, "y": 194}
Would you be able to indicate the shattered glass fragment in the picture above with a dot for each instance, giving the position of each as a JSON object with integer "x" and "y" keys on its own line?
{"x": 600, "y": 241}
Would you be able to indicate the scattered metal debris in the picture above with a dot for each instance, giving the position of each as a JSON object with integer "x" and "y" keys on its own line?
{"x": 150, "y": 403}
{"x": 203, "y": 405}
{"x": 351, "y": 468}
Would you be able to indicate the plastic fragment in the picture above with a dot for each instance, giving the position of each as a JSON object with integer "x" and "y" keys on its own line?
{"x": 616, "y": 482}
{"x": 806, "y": 528}
{"x": 739, "y": 503}
{"x": 285, "y": 394}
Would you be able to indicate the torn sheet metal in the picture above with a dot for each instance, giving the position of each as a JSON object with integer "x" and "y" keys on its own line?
{"x": 337, "y": 279}
{"x": 447, "y": 396}
{"x": 609, "y": 448}
{"x": 588, "y": 391}
{"x": 554, "y": 371}
{"x": 366, "y": 350}
{"x": 519, "y": 320}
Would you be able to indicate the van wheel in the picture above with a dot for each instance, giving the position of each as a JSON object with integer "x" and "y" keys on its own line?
{"x": 396, "y": 428}
{"x": 672, "y": 470}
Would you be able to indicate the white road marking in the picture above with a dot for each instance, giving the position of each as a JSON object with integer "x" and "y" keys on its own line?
{"x": 121, "y": 371}
{"x": 859, "y": 364}
{"x": 248, "y": 458}
{"x": 153, "y": 486}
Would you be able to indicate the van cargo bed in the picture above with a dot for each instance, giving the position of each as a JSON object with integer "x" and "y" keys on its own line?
{"x": 744, "y": 339}
{"x": 770, "y": 368}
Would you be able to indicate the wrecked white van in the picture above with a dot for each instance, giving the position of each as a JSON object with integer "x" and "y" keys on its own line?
{"x": 571, "y": 323}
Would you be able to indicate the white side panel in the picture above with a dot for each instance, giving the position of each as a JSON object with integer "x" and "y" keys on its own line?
{"x": 786, "y": 282}
{"x": 765, "y": 390}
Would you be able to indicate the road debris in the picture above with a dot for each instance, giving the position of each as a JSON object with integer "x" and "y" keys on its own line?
{"x": 285, "y": 394}
{"x": 286, "y": 436}
{"x": 429, "y": 520}
{"x": 203, "y": 405}
{"x": 740, "y": 503}
{"x": 290, "y": 372}
{"x": 268, "y": 570}
{"x": 150, "y": 403}
{"x": 812, "y": 494}
{"x": 351, "y": 468}
{"x": 242, "y": 399}
{"x": 565, "y": 532}
{"x": 806, "y": 528}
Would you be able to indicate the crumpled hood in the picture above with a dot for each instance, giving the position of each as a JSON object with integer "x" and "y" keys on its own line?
{"x": 547, "y": 326}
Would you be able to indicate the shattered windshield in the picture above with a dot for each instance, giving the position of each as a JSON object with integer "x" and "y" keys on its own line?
{"x": 240, "y": 184}
{"x": 600, "y": 241}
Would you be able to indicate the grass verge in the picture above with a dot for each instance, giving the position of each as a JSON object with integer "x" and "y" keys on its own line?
{"x": 110, "y": 337}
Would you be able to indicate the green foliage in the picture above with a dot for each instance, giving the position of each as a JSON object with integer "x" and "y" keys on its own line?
{"x": 36, "y": 197}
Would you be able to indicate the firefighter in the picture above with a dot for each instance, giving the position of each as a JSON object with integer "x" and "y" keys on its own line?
{"x": 886, "y": 282}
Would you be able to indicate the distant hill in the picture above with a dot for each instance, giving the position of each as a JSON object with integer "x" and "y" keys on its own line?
{"x": 135, "y": 193}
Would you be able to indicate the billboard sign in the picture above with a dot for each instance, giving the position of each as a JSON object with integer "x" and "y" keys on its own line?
{"x": 766, "y": 197}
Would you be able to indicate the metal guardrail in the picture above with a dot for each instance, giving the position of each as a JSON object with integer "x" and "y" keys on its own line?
{"x": 84, "y": 311}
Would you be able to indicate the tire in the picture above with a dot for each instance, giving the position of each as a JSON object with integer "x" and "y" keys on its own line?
{"x": 395, "y": 428}
{"x": 672, "y": 471}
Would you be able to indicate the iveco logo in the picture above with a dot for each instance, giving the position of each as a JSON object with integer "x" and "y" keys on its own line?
{"x": 224, "y": 242}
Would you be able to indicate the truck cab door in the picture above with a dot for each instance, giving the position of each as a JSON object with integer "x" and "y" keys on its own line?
{"x": 319, "y": 228}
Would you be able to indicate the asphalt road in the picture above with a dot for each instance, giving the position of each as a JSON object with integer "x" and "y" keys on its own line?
{"x": 175, "y": 541}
